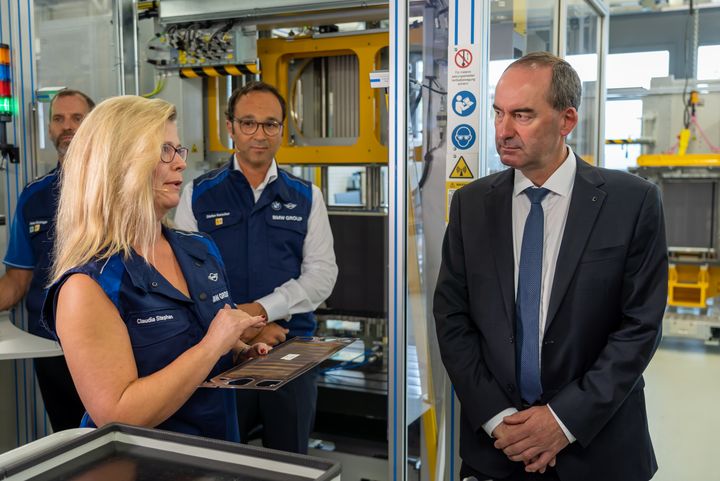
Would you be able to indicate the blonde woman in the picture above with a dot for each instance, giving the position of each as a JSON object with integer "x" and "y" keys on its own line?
{"x": 142, "y": 310}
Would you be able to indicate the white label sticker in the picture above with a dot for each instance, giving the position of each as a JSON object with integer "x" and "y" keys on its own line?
{"x": 289, "y": 357}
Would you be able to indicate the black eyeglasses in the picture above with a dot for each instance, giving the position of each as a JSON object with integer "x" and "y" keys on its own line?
{"x": 169, "y": 151}
{"x": 250, "y": 126}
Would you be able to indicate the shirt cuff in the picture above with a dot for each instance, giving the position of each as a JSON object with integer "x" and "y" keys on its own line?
{"x": 565, "y": 430}
{"x": 495, "y": 421}
{"x": 275, "y": 306}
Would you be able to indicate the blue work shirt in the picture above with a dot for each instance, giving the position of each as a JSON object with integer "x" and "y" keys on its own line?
{"x": 31, "y": 242}
{"x": 261, "y": 242}
{"x": 163, "y": 323}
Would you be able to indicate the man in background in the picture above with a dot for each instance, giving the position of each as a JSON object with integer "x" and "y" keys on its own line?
{"x": 28, "y": 259}
{"x": 274, "y": 235}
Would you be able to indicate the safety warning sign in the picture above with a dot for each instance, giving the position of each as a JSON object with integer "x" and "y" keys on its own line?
{"x": 461, "y": 170}
{"x": 463, "y": 58}
{"x": 450, "y": 188}
{"x": 464, "y": 104}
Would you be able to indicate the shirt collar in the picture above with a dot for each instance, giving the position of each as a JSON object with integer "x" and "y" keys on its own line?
{"x": 560, "y": 182}
{"x": 270, "y": 176}
{"x": 142, "y": 274}
{"x": 191, "y": 243}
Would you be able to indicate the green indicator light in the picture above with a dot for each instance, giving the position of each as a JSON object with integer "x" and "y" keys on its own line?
{"x": 7, "y": 106}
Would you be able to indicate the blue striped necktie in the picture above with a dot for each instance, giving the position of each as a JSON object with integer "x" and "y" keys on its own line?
{"x": 528, "y": 297}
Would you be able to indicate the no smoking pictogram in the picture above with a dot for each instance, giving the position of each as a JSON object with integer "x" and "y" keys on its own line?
{"x": 463, "y": 58}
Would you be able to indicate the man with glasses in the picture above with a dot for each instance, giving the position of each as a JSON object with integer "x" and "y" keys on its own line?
{"x": 274, "y": 235}
{"x": 27, "y": 261}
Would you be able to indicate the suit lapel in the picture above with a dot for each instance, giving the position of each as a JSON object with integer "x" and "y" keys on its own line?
{"x": 587, "y": 200}
{"x": 499, "y": 215}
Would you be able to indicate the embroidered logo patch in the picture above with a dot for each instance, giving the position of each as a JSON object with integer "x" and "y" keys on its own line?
{"x": 213, "y": 276}
{"x": 276, "y": 205}
{"x": 290, "y": 206}
{"x": 288, "y": 218}
{"x": 220, "y": 296}
{"x": 218, "y": 220}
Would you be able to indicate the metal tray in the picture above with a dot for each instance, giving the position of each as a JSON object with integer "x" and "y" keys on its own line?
{"x": 118, "y": 452}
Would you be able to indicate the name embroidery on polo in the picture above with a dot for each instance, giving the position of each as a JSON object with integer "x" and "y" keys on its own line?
{"x": 36, "y": 225}
{"x": 218, "y": 216}
{"x": 152, "y": 319}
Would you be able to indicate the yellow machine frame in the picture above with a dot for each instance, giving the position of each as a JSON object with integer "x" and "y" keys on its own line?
{"x": 275, "y": 56}
{"x": 675, "y": 160}
{"x": 690, "y": 284}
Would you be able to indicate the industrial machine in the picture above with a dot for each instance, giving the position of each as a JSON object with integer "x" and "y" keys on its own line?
{"x": 690, "y": 186}
{"x": 320, "y": 57}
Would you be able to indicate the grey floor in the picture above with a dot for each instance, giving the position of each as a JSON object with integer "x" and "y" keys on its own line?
{"x": 683, "y": 397}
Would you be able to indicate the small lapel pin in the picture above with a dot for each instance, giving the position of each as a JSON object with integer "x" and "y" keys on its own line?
{"x": 594, "y": 198}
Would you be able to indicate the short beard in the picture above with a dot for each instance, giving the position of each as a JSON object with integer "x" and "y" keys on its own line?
{"x": 61, "y": 149}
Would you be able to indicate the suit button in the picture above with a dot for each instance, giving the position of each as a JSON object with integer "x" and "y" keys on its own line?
{"x": 510, "y": 388}
{"x": 202, "y": 296}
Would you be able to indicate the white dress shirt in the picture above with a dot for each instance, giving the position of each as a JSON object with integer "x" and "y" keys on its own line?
{"x": 318, "y": 270}
{"x": 555, "y": 209}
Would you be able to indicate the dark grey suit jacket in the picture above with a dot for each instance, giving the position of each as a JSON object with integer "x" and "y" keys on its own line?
{"x": 603, "y": 323}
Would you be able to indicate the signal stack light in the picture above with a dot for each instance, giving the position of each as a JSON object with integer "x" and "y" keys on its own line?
{"x": 7, "y": 105}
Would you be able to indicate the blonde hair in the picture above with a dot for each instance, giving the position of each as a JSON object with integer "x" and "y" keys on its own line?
{"x": 106, "y": 202}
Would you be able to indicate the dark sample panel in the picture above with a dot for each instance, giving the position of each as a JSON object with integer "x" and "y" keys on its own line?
{"x": 689, "y": 213}
{"x": 360, "y": 252}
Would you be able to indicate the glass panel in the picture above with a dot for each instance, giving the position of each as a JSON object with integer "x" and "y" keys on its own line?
{"x": 623, "y": 120}
{"x": 419, "y": 93}
{"x": 635, "y": 69}
{"x": 582, "y": 51}
{"x": 346, "y": 186}
{"x": 515, "y": 31}
{"x": 85, "y": 31}
{"x": 426, "y": 145}
{"x": 708, "y": 66}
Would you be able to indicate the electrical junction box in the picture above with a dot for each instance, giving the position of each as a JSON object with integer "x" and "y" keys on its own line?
{"x": 182, "y": 46}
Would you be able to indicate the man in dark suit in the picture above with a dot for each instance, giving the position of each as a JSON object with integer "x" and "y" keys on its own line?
{"x": 550, "y": 297}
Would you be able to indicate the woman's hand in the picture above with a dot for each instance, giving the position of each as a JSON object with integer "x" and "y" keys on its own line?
{"x": 243, "y": 352}
{"x": 227, "y": 327}
{"x": 258, "y": 349}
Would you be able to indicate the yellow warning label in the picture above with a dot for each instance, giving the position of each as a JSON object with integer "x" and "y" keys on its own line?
{"x": 450, "y": 188}
{"x": 461, "y": 170}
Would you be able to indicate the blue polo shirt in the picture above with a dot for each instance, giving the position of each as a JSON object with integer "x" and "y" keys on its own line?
{"x": 163, "y": 323}
{"x": 261, "y": 242}
{"x": 31, "y": 242}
